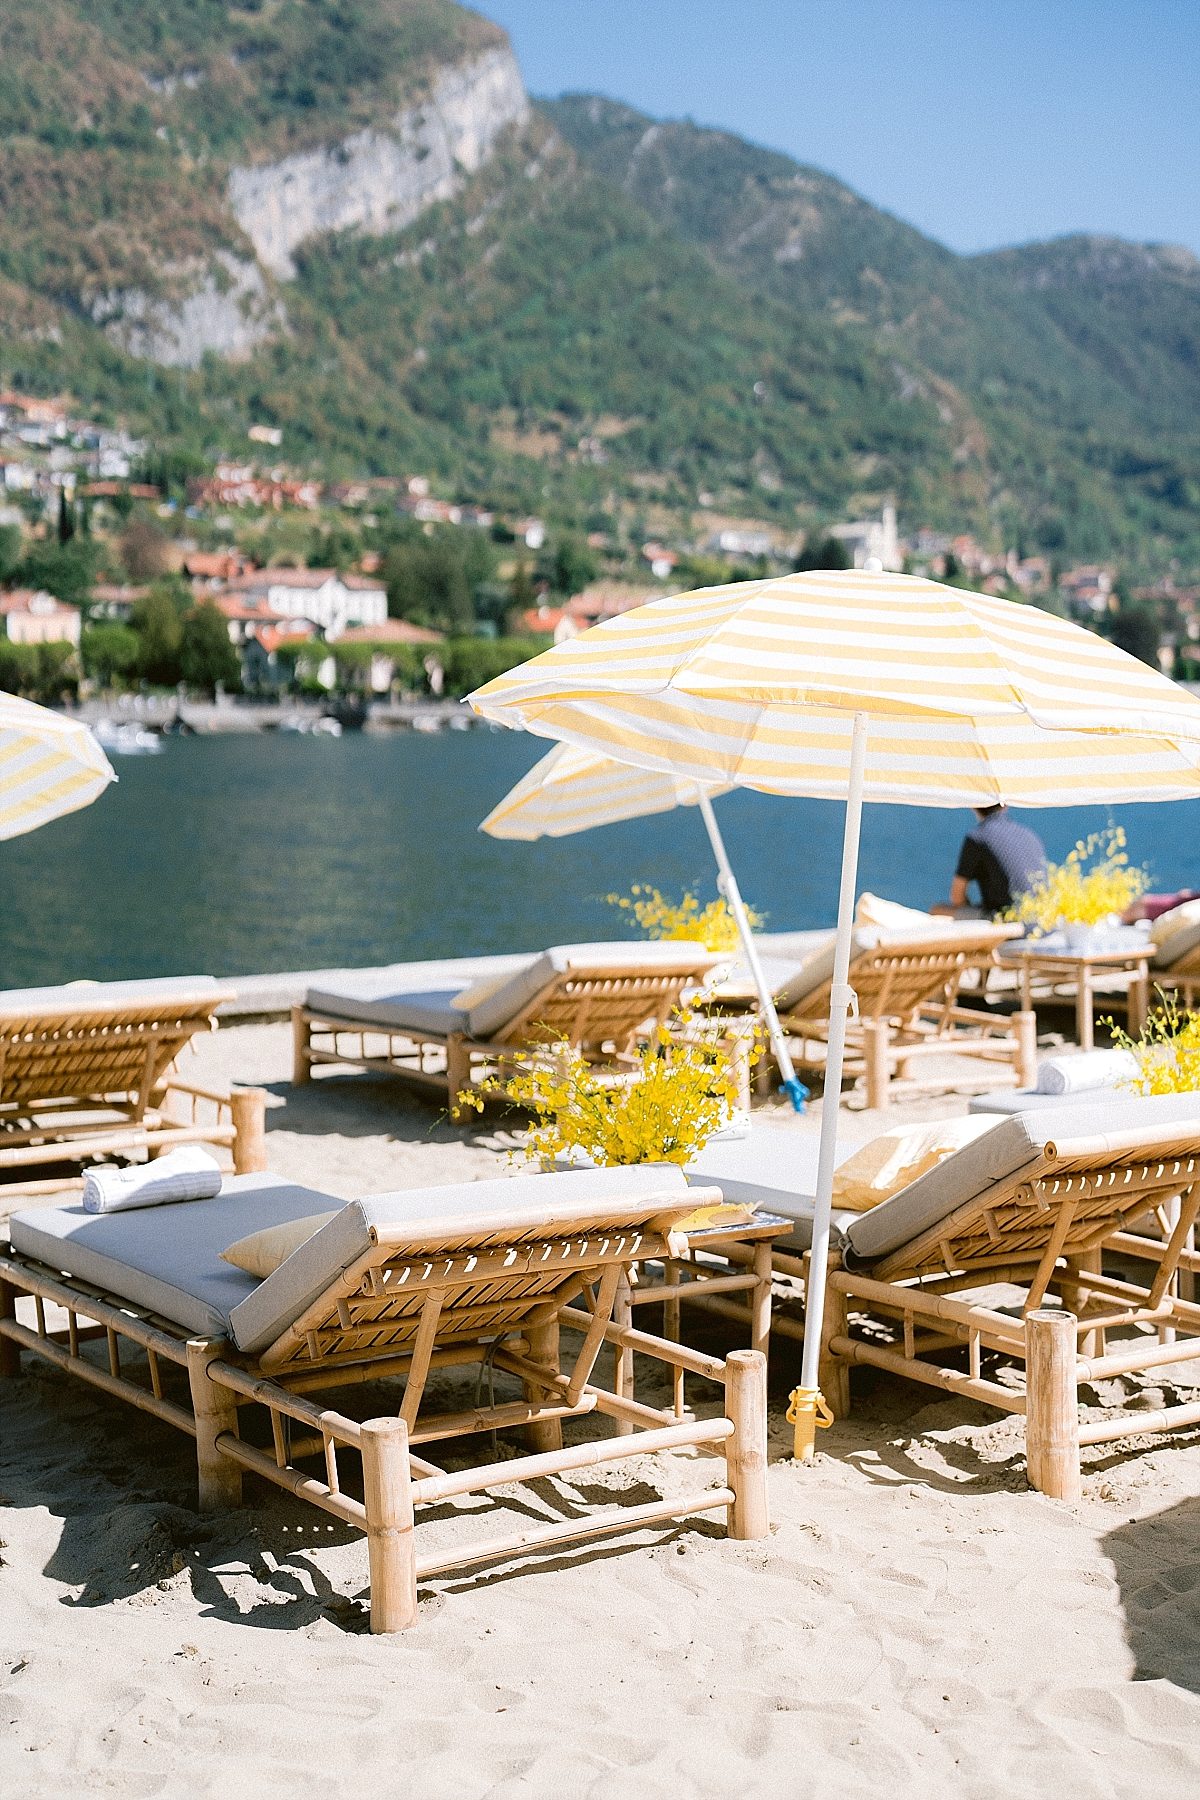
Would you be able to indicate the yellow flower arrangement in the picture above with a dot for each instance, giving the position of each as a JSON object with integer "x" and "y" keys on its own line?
{"x": 683, "y": 1088}
{"x": 1167, "y": 1053}
{"x": 658, "y": 916}
{"x": 1070, "y": 892}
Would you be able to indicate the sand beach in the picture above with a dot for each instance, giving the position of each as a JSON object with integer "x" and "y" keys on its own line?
{"x": 918, "y": 1621}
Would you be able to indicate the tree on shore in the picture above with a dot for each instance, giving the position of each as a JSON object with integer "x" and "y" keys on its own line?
{"x": 206, "y": 655}
{"x": 110, "y": 653}
{"x": 156, "y": 620}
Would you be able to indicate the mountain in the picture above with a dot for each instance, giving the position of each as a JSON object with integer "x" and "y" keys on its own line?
{"x": 1068, "y": 373}
{"x": 345, "y": 219}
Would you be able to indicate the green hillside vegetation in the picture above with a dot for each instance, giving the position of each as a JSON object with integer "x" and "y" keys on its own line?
{"x": 613, "y": 317}
{"x": 1070, "y": 372}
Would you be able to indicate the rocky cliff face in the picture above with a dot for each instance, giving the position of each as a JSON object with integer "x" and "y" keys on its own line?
{"x": 381, "y": 179}
{"x": 229, "y": 313}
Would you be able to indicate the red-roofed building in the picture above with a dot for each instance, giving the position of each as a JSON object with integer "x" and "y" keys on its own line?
{"x": 558, "y": 622}
{"x": 112, "y": 490}
{"x": 208, "y": 570}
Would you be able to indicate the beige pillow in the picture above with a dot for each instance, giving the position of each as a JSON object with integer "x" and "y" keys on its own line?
{"x": 889, "y": 915}
{"x": 888, "y": 1163}
{"x": 1173, "y": 924}
{"x": 262, "y": 1252}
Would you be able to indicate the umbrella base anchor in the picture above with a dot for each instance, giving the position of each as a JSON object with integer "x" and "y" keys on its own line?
{"x": 808, "y": 1413}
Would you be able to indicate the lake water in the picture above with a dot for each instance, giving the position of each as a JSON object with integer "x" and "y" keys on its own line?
{"x": 252, "y": 854}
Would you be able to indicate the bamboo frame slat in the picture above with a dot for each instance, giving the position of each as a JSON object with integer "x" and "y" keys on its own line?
{"x": 591, "y": 1455}
{"x": 303, "y": 1486}
{"x": 1133, "y": 1424}
{"x": 547, "y": 1537}
{"x": 626, "y": 1338}
{"x": 117, "y": 1385}
{"x": 953, "y": 1381}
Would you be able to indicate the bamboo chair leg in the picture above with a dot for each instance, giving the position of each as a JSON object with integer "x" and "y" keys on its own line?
{"x": 833, "y": 1375}
{"x": 1052, "y": 1404}
{"x": 877, "y": 1055}
{"x": 543, "y": 1434}
{"x": 458, "y": 1076}
{"x": 760, "y": 1301}
{"x": 301, "y": 1035}
{"x": 623, "y": 1366}
{"x": 215, "y": 1407}
{"x": 391, "y": 1547}
{"x": 1024, "y": 1026}
{"x": 746, "y": 1450}
{"x": 1088, "y": 1262}
{"x": 10, "y": 1356}
{"x": 249, "y": 1109}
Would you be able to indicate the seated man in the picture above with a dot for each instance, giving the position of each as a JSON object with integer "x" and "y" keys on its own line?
{"x": 1002, "y": 858}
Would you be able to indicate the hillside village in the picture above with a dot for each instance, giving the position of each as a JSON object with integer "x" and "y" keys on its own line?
{"x": 118, "y": 572}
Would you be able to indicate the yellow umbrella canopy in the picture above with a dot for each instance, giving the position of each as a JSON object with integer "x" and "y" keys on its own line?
{"x": 861, "y": 685}
{"x": 573, "y": 790}
{"x": 969, "y": 699}
{"x": 49, "y": 765}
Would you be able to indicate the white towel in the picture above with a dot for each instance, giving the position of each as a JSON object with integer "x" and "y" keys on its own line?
{"x": 188, "y": 1173}
{"x": 1085, "y": 1070}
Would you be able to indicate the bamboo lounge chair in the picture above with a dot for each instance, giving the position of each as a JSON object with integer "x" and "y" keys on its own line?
{"x": 396, "y": 1286}
{"x": 89, "y": 1071}
{"x": 601, "y": 998}
{"x": 908, "y": 993}
{"x": 1048, "y": 1205}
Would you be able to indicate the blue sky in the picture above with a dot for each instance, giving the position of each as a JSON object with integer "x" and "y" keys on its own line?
{"x": 984, "y": 122}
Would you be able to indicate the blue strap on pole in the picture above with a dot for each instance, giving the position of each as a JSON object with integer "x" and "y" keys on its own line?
{"x": 797, "y": 1093}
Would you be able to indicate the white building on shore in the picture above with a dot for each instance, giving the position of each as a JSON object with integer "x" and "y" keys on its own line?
{"x": 871, "y": 540}
{"x": 326, "y": 599}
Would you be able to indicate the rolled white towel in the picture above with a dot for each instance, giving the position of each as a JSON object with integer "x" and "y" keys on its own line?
{"x": 188, "y": 1173}
{"x": 1085, "y": 1070}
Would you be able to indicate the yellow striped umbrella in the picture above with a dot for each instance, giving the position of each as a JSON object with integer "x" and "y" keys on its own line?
{"x": 861, "y": 685}
{"x": 971, "y": 699}
{"x": 573, "y": 790}
{"x": 48, "y": 765}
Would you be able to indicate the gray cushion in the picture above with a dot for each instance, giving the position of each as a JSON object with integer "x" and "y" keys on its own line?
{"x": 1012, "y": 1143}
{"x": 773, "y": 1169}
{"x": 105, "y": 994}
{"x": 491, "y": 1015}
{"x": 168, "y": 1258}
{"x": 408, "y": 996}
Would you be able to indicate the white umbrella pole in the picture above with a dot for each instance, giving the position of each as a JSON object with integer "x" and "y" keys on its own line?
{"x": 795, "y": 1090}
{"x": 841, "y": 1000}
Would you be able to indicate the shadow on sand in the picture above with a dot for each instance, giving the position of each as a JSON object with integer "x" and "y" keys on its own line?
{"x": 1157, "y": 1564}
